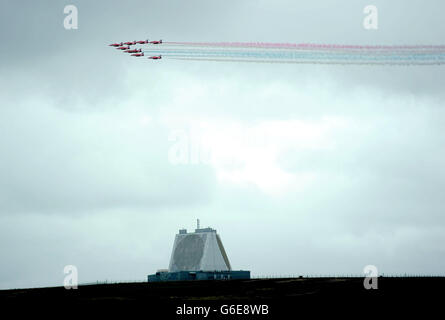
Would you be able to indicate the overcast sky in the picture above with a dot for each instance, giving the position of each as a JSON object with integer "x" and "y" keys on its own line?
{"x": 314, "y": 169}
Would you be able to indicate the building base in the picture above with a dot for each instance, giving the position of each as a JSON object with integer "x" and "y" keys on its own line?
{"x": 198, "y": 275}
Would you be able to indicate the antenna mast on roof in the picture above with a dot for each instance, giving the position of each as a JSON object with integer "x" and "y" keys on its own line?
{"x": 197, "y": 223}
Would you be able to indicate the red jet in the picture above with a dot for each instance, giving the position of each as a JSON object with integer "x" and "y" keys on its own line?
{"x": 130, "y": 43}
{"x": 142, "y": 42}
{"x": 123, "y": 48}
{"x": 155, "y": 57}
{"x": 116, "y": 44}
{"x": 138, "y": 54}
{"x": 155, "y": 42}
{"x": 133, "y": 50}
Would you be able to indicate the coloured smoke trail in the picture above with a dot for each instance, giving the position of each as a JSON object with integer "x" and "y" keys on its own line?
{"x": 302, "y": 53}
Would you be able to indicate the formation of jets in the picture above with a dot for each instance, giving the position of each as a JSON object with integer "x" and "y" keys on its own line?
{"x": 125, "y": 46}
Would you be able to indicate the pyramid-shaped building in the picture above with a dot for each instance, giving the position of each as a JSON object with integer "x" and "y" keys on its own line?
{"x": 198, "y": 255}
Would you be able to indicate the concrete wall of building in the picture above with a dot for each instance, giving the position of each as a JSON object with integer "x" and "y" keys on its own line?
{"x": 197, "y": 251}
